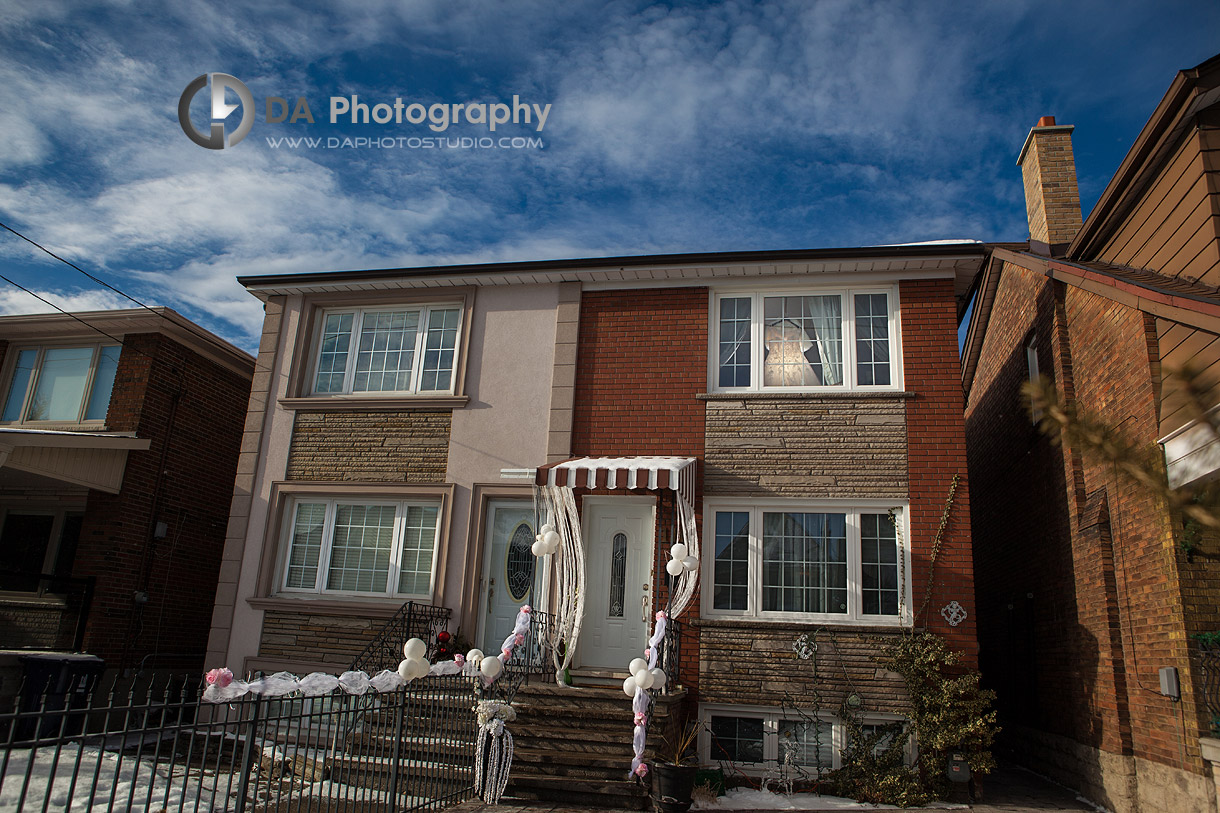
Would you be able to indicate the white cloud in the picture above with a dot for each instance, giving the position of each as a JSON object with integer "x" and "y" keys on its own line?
{"x": 13, "y": 301}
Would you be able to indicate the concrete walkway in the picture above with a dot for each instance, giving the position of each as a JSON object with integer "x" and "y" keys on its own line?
{"x": 1008, "y": 790}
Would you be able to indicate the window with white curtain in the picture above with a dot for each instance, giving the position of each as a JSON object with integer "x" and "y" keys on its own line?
{"x": 804, "y": 340}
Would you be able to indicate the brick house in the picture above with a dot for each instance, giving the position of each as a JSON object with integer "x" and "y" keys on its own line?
{"x": 1085, "y": 592}
{"x": 118, "y": 446}
{"x": 399, "y": 419}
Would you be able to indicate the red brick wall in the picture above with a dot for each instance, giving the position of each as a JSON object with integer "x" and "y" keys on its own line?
{"x": 936, "y": 450}
{"x": 179, "y": 572}
{"x": 641, "y": 360}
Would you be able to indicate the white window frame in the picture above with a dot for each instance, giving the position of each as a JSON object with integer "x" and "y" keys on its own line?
{"x": 358, "y": 313}
{"x": 772, "y": 718}
{"x": 853, "y": 509}
{"x": 13, "y": 353}
{"x": 850, "y": 372}
{"x": 324, "y": 554}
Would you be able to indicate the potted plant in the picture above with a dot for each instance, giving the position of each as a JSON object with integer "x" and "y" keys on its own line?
{"x": 673, "y": 773}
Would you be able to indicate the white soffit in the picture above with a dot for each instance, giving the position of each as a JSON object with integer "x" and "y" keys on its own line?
{"x": 1192, "y": 454}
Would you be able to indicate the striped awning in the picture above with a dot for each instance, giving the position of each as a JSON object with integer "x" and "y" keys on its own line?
{"x": 654, "y": 473}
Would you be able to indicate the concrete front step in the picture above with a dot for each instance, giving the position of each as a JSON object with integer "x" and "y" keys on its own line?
{"x": 576, "y": 792}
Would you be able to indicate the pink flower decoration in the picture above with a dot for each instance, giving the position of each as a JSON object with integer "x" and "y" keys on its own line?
{"x": 642, "y": 770}
{"x": 647, "y": 652}
{"x": 525, "y": 608}
{"x": 640, "y": 718}
{"x": 507, "y": 653}
{"x": 661, "y": 614}
{"x": 459, "y": 659}
{"x": 219, "y": 677}
{"x": 519, "y": 640}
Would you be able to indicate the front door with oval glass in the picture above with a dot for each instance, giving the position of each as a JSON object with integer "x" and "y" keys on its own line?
{"x": 618, "y": 603}
{"x": 508, "y": 568}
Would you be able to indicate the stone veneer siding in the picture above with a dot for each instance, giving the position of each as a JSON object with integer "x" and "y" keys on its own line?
{"x": 806, "y": 446}
{"x": 336, "y": 639}
{"x": 743, "y": 662}
{"x": 404, "y": 446}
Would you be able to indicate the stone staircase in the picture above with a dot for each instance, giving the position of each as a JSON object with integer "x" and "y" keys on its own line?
{"x": 573, "y": 745}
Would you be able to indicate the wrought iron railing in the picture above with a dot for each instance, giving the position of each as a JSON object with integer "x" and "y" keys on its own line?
{"x": 670, "y": 657}
{"x": 412, "y": 620}
{"x": 77, "y": 594}
{"x": 160, "y": 747}
{"x": 1209, "y": 669}
{"x": 530, "y": 660}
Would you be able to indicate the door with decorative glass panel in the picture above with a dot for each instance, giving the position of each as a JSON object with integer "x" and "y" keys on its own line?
{"x": 619, "y": 542}
{"x": 508, "y": 569}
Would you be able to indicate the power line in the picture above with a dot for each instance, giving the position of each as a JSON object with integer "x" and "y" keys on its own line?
{"x": 48, "y": 251}
{"x": 216, "y": 341}
{"x": 74, "y": 316}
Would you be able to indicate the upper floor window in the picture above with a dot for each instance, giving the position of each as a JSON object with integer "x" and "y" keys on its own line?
{"x": 807, "y": 562}
{"x": 804, "y": 340}
{"x": 388, "y": 350}
{"x": 61, "y": 384}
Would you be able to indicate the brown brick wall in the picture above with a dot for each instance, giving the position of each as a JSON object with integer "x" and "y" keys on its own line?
{"x": 936, "y": 451}
{"x": 1052, "y": 200}
{"x": 808, "y": 446}
{"x": 1077, "y": 569}
{"x": 317, "y": 637}
{"x": 178, "y": 572}
{"x": 404, "y": 446}
{"x": 754, "y": 664}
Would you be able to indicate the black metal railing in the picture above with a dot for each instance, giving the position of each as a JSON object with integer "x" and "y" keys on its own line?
{"x": 530, "y": 659}
{"x": 76, "y": 595}
{"x": 1209, "y": 670}
{"x": 161, "y": 747}
{"x": 670, "y": 657}
{"x": 412, "y": 620}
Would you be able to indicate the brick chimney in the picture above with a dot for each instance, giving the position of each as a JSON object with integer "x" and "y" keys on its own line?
{"x": 1052, "y": 200}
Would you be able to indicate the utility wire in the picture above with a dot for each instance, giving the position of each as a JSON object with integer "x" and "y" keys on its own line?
{"x": 46, "y": 250}
{"x": 74, "y": 316}
{"x": 218, "y": 342}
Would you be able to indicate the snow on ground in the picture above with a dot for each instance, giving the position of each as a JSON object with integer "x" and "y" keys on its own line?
{"x": 70, "y": 778}
{"x": 749, "y": 799}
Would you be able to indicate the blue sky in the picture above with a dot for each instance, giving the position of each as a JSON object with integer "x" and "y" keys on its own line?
{"x": 673, "y": 127}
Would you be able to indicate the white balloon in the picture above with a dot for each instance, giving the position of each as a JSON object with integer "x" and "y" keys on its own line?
{"x": 551, "y": 538}
{"x": 629, "y": 687}
{"x": 636, "y": 665}
{"x": 546, "y": 529}
{"x": 414, "y": 649}
{"x": 658, "y": 679}
{"x": 551, "y": 548}
{"x": 404, "y": 669}
{"x": 420, "y": 668}
{"x": 678, "y": 550}
{"x": 690, "y": 563}
{"x": 643, "y": 679}
{"x": 539, "y": 548}
{"x": 490, "y": 667}
{"x": 674, "y": 568}
{"x": 474, "y": 656}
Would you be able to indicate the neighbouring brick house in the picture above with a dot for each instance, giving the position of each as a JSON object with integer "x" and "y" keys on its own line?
{"x": 399, "y": 419}
{"x": 118, "y": 446}
{"x": 1085, "y": 592}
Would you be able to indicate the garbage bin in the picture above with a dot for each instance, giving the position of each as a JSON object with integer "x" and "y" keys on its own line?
{"x": 53, "y": 685}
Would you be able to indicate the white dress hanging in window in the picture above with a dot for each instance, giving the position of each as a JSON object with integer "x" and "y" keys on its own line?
{"x": 786, "y": 364}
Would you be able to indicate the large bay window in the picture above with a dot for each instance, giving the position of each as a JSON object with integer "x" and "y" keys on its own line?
{"x": 804, "y": 341}
{"x": 799, "y": 561}
{"x": 362, "y": 547}
{"x": 398, "y": 349}
{"x": 60, "y": 384}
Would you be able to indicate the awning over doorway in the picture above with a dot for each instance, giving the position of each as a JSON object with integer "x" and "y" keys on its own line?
{"x": 90, "y": 459}
{"x": 677, "y": 473}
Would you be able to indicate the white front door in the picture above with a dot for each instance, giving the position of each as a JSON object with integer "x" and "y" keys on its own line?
{"x": 508, "y": 569}
{"x": 619, "y": 541}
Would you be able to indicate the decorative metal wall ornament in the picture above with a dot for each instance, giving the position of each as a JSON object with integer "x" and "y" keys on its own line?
{"x": 953, "y": 612}
{"x": 804, "y": 646}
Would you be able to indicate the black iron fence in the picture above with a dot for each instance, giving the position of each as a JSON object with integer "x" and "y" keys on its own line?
{"x": 412, "y": 620}
{"x": 670, "y": 657}
{"x": 160, "y": 747}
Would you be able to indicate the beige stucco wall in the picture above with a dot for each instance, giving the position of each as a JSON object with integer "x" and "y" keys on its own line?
{"x": 506, "y": 423}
